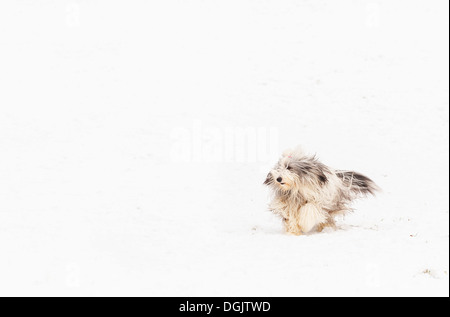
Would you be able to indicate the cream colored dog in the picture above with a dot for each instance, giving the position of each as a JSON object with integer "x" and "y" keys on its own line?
{"x": 308, "y": 194}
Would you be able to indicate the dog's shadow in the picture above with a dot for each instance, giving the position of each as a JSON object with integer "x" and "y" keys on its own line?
{"x": 328, "y": 230}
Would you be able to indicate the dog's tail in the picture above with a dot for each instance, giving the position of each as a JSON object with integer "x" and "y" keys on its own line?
{"x": 358, "y": 183}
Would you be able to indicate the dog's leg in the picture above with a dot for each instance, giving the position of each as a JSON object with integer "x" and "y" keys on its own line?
{"x": 309, "y": 216}
{"x": 292, "y": 226}
{"x": 330, "y": 223}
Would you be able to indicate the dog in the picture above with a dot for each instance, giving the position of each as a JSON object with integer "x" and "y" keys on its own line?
{"x": 308, "y": 194}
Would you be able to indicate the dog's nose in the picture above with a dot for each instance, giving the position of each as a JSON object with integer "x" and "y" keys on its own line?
{"x": 279, "y": 179}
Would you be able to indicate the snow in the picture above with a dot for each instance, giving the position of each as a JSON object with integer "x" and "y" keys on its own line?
{"x": 118, "y": 171}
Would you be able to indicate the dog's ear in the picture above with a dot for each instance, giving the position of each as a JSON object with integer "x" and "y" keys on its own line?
{"x": 310, "y": 169}
{"x": 323, "y": 179}
{"x": 268, "y": 179}
{"x": 300, "y": 168}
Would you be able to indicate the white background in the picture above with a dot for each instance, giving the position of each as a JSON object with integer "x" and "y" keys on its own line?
{"x": 96, "y": 197}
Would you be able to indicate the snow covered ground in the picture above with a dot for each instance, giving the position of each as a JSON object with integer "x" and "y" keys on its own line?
{"x": 135, "y": 137}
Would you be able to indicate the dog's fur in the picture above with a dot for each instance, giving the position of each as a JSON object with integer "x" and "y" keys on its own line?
{"x": 308, "y": 194}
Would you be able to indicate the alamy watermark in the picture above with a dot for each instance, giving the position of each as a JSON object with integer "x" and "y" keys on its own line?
{"x": 201, "y": 143}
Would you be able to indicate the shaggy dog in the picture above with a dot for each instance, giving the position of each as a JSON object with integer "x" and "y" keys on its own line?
{"x": 308, "y": 194}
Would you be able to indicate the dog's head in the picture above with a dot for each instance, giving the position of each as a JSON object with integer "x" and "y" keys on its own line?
{"x": 295, "y": 169}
